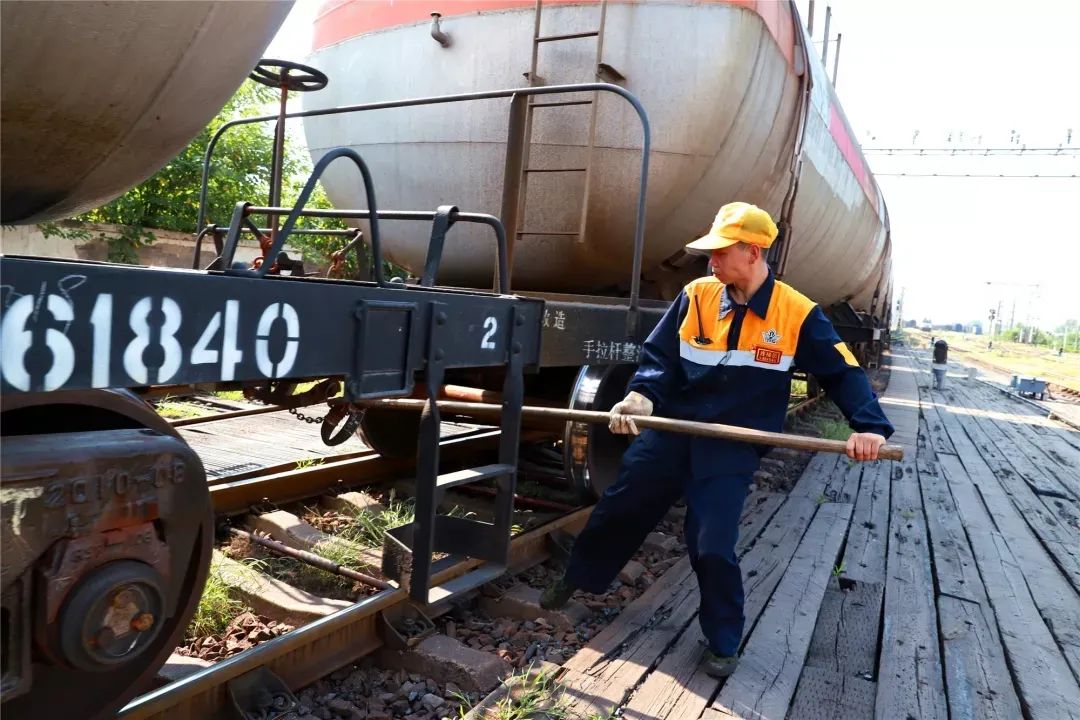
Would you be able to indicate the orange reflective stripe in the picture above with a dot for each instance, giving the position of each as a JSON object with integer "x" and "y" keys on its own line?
{"x": 842, "y": 348}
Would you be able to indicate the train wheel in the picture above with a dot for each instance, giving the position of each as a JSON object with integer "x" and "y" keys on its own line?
{"x": 112, "y": 533}
{"x": 591, "y": 453}
{"x": 391, "y": 433}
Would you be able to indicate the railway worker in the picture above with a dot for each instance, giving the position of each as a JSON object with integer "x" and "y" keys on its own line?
{"x": 940, "y": 364}
{"x": 722, "y": 353}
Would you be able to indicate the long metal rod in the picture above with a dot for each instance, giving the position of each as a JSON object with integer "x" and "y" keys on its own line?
{"x": 570, "y": 36}
{"x": 787, "y": 207}
{"x": 688, "y": 427}
{"x": 330, "y": 232}
{"x": 593, "y": 112}
{"x": 825, "y": 37}
{"x": 310, "y": 559}
{"x": 836, "y": 58}
{"x": 278, "y": 161}
{"x": 513, "y": 165}
{"x": 519, "y": 143}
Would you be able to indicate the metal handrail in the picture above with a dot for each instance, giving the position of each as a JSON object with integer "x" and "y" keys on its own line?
{"x": 424, "y": 215}
{"x": 639, "y": 230}
{"x": 309, "y": 187}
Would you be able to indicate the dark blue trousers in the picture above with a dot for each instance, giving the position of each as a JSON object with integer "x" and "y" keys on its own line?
{"x": 655, "y": 471}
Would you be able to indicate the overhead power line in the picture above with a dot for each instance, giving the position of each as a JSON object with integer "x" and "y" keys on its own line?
{"x": 946, "y": 151}
{"x": 987, "y": 175}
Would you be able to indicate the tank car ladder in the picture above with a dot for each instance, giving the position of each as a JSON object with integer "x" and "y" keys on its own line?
{"x": 407, "y": 549}
{"x": 602, "y": 71}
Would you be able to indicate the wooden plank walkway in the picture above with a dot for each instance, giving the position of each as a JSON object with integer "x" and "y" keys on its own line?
{"x": 943, "y": 586}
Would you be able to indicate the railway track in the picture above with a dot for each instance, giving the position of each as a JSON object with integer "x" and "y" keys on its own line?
{"x": 358, "y": 629}
{"x": 1063, "y": 392}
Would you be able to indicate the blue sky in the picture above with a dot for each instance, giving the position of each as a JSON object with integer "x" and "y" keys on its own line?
{"x": 962, "y": 73}
{"x": 983, "y": 70}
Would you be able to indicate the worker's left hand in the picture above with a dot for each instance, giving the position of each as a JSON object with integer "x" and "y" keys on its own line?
{"x": 633, "y": 404}
{"x": 864, "y": 446}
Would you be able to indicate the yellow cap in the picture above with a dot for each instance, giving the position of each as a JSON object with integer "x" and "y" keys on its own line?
{"x": 736, "y": 222}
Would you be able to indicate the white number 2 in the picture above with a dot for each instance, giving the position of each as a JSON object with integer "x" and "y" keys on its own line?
{"x": 491, "y": 325}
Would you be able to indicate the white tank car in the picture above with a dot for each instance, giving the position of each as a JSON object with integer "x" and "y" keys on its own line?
{"x": 720, "y": 80}
{"x": 97, "y": 96}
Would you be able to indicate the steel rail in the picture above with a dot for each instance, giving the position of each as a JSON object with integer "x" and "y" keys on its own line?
{"x": 239, "y": 496}
{"x": 317, "y": 649}
{"x": 184, "y": 422}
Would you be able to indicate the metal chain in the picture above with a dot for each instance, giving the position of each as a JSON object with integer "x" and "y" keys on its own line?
{"x": 304, "y": 418}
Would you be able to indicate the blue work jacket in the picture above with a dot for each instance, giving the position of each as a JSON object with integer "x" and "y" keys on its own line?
{"x": 713, "y": 360}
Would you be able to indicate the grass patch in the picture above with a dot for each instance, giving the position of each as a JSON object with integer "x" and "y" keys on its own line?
{"x": 238, "y": 395}
{"x": 367, "y": 529}
{"x": 307, "y": 577}
{"x": 531, "y": 695}
{"x": 335, "y": 551}
{"x": 171, "y": 410}
{"x": 234, "y": 395}
{"x": 216, "y": 607}
{"x": 833, "y": 429}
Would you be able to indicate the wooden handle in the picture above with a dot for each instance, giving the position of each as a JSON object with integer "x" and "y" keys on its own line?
{"x": 689, "y": 427}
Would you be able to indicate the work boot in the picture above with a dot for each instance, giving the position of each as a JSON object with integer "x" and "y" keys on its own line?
{"x": 718, "y": 666}
{"x": 557, "y": 594}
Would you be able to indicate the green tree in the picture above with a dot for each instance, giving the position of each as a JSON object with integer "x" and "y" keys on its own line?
{"x": 240, "y": 170}
{"x": 1067, "y": 335}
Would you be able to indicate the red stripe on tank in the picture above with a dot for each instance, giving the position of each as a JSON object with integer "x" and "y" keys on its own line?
{"x": 842, "y": 136}
{"x": 340, "y": 20}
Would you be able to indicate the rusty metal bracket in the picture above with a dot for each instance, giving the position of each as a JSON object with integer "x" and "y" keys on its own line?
{"x": 404, "y": 626}
{"x": 261, "y": 695}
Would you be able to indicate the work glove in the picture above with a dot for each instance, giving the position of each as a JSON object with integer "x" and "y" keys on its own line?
{"x": 633, "y": 404}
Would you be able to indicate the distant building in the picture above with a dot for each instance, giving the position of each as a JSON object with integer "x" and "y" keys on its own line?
{"x": 910, "y": 324}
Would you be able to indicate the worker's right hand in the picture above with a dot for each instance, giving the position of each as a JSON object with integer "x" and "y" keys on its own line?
{"x": 633, "y": 404}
